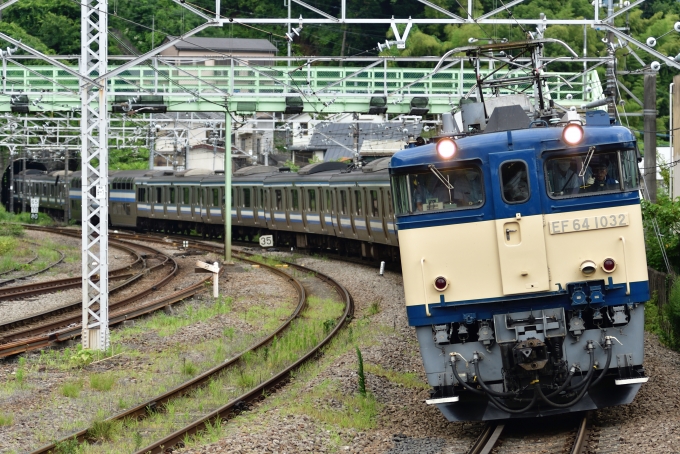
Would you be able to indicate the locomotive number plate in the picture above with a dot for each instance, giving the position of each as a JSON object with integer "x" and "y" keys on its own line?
{"x": 589, "y": 223}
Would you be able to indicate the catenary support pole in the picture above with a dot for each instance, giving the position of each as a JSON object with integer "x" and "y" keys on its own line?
{"x": 649, "y": 113}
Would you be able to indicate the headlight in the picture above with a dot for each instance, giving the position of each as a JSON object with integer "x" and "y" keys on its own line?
{"x": 572, "y": 134}
{"x": 588, "y": 267}
{"x": 446, "y": 148}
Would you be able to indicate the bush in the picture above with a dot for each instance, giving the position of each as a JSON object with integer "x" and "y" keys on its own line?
{"x": 672, "y": 312}
{"x": 666, "y": 213}
{"x": 7, "y": 244}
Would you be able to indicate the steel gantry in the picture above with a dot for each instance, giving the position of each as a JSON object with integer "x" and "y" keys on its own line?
{"x": 95, "y": 167}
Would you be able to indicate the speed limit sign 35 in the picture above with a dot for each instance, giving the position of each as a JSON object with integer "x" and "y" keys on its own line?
{"x": 267, "y": 240}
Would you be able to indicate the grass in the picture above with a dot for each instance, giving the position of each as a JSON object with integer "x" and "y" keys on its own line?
{"x": 6, "y": 419}
{"x": 373, "y": 309}
{"x": 167, "y": 325}
{"x": 72, "y": 389}
{"x": 102, "y": 382}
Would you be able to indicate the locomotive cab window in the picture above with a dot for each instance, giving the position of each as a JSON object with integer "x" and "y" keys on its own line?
{"x": 515, "y": 181}
{"x": 438, "y": 190}
{"x": 588, "y": 174}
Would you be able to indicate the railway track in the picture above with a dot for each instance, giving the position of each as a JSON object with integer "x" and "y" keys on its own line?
{"x": 235, "y": 405}
{"x": 501, "y": 438}
{"x": 65, "y": 328}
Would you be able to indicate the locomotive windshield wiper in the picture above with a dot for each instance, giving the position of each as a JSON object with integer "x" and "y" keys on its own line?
{"x": 439, "y": 175}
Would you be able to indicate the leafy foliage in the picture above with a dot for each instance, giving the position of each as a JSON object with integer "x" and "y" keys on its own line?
{"x": 666, "y": 214}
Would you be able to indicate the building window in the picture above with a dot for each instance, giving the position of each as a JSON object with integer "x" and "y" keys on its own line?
{"x": 258, "y": 146}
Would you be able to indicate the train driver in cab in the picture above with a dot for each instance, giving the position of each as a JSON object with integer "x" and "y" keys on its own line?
{"x": 602, "y": 181}
{"x": 564, "y": 179}
{"x": 467, "y": 188}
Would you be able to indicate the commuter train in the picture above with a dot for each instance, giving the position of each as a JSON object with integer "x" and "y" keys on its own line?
{"x": 328, "y": 205}
{"x": 524, "y": 265}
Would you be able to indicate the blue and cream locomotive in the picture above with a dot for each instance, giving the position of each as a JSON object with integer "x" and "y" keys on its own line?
{"x": 524, "y": 265}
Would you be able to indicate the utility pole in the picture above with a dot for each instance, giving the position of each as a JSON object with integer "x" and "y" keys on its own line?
{"x": 649, "y": 113}
{"x": 152, "y": 142}
{"x": 23, "y": 185}
{"x": 11, "y": 180}
{"x": 67, "y": 192}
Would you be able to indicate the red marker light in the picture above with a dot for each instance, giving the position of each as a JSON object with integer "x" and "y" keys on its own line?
{"x": 446, "y": 148}
{"x": 440, "y": 283}
{"x": 609, "y": 265}
{"x": 572, "y": 134}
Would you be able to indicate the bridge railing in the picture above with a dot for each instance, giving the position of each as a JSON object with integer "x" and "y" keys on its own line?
{"x": 362, "y": 80}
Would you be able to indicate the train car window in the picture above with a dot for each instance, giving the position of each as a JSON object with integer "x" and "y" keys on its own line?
{"x": 186, "y": 199}
{"x": 343, "y": 202}
{"x": 279, "y": 199}
{"x": 172, "y": 195}
{"x": 312, "y": 199}
{"x": 390, "y": 206}
{"x": 141, "y": 194}
{"x": 329, "y": 201}
{"x": 515, "y": 181}
{"x": 215, "y": 197}
{"x": 357, "y": 203}
{"x": 200, "y": 196}
{"x": 260, "y": 201}
{"x": 294, "y": 200}
{"x": 374, "y": 203}
{"x": 584, "y": 175}
{"x": 159, "y": 195}
{"x": 246, "y": 197}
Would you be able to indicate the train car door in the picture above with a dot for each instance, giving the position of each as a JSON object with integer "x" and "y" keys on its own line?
{"x": 519, "y": 223}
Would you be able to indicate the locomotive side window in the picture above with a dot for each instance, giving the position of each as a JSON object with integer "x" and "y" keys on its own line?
{"x": 312, "y": 199}
{"x": 591, "y": 174}
{"x": 246, "y": 197}
{"x": 515, "y": 181}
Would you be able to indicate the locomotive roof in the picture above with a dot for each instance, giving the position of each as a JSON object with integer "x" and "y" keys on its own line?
{"x": 541, "y": 139}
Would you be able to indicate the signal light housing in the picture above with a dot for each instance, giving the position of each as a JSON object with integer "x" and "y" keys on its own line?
{"x": 572, "y": 134}
{"x": 441, "y": 283}
{"x": 446, "y": 148}
{"x": 609, "y": 265}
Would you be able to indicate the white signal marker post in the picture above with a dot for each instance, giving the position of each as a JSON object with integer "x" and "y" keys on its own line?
{"x": 203, "y": 267}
